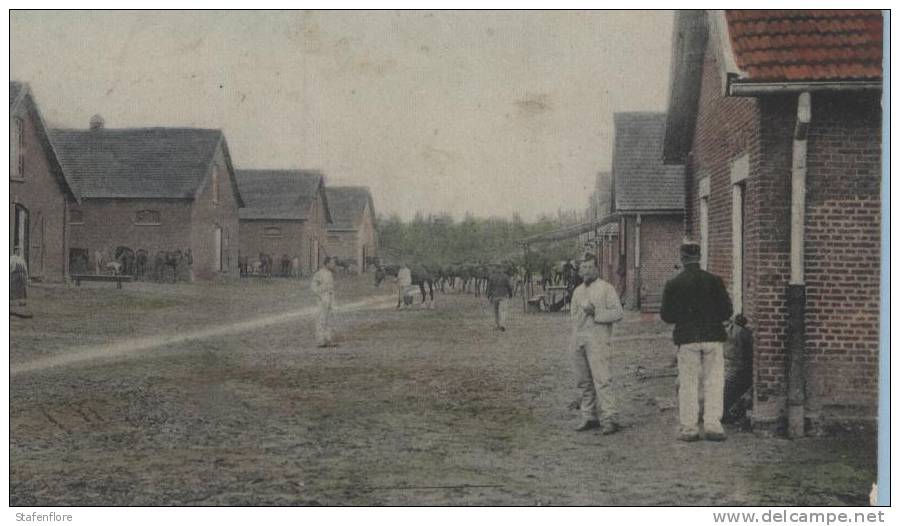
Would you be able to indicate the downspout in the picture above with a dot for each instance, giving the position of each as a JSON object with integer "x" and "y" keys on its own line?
{"x": 796, "y": 292}
{"x": 637, "y": 261}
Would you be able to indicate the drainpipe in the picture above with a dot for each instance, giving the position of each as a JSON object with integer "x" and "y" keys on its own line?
{"x": 796, "y": 292}
{"x": 637, "y": 261}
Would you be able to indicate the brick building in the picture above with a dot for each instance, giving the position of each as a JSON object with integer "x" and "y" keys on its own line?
{"x": 287, "y": 214}
{"x": 648, "y": 204}
{"x": 352, "y": 235}
{"x": 776, "y": 115}
{"x": 154, "y": 190}
{"x": 38, "y": 190}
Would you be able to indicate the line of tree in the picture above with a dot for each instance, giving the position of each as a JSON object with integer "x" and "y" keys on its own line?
{"x": 439, "y": 240}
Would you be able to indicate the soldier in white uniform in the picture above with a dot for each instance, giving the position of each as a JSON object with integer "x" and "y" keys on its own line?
{"x": 322, "y": 285}
{"x": 595, "y": 307}
{"x": 404, "y": 282}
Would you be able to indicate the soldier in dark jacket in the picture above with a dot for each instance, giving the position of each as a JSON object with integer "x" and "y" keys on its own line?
{"x": 697, "y": 303}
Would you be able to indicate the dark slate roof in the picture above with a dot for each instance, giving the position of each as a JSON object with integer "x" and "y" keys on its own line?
{"x": 641, "y": 181}
{"x": 278, "y": 194}
{"x": 806, "y": 45}
{"x": 347, "y": 204}
{"x": 156, "y": 163}
{"x": 15, "y": 89}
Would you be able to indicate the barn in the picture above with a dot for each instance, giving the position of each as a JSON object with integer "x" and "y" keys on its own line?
{"x": 156, "y": 193}
{"x": 286, "y": 217}
{"x": 39, "y": 192}
{"x": 352, "y": 235}
{"x": 648, "y": 204}
{"x": 778, "y": 122}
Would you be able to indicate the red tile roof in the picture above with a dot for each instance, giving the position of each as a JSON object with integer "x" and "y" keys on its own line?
{"x": 807, "y": 45}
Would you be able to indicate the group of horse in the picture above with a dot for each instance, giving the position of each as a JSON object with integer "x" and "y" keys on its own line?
{"x": 473, "y": 277}
{"x": 265, "y": 265}
{"x": 459, "y": 278}
{"x": 165, "y": 265}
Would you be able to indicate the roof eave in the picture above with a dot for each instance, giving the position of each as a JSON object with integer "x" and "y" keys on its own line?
{"x": 648, "y": 211}
{"x": 739, "y": 88}
{"x": 689, "y": 38}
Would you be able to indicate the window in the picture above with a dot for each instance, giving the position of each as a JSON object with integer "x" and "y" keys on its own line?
{"x": 147, "y": 217}
{"x": 17, "y": 149}
{"x": 215, "y": 185}
{"x": 272, "y": 231}
{"x": 76, "y": 216}
{"x": 218, "y": 264}
{"x": 334, "y": 239}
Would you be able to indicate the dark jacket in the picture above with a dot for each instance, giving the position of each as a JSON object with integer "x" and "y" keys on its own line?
{"x": 697, "y": 303}
{"x": 499, "y": 286}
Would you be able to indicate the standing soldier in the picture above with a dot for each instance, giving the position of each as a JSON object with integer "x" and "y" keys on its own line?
{"x": 595, "y": 307}
{"x": 404, "y": 281}
{"x": 499, "y": 292}
{"x": 697, "y": 303}
{"x": 322, "y": 285}
{"x": 18, "y": 281}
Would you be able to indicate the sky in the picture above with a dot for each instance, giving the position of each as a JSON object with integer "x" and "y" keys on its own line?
{"x": 488, "y": 113}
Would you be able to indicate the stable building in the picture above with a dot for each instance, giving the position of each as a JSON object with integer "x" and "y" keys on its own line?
{"x": 39, "y": 192}
{"x": 777, "y": 117}
{"x": 648, "y": 205}
{"x": 286, "y": 217}
{"x": 352, "y": 235}
{"x": 154, "y": 193}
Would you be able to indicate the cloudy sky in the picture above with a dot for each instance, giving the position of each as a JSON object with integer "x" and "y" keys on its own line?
{"x": 491, "y": 113}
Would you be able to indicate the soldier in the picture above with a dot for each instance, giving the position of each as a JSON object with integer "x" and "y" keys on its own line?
{"x": 595, "y": 308}
{"x": 499, "y": 292}
{"x": 322, "y": 285}
{"x": 697, "y": 303}
{"x": 18, "y": 278}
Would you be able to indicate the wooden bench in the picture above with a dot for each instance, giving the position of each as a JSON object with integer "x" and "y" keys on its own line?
{"x": 100, "y": 277}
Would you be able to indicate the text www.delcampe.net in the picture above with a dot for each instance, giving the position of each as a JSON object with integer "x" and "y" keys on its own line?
{"x": 798, "y": 517}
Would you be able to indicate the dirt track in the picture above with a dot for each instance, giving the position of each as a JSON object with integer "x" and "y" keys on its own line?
{"x": 415, "y": 407}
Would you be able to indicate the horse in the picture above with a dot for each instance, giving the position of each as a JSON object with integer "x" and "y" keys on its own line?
{"x": 422, "y": 276}
{"x": 125, "y": 257}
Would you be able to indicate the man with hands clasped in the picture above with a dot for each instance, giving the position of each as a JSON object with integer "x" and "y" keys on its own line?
{"x": 595, "y": 307}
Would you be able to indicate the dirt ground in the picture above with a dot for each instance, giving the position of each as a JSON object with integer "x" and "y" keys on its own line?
{"x": 216, "y": 394}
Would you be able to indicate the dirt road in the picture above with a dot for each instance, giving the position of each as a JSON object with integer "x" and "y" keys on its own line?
{"x": 415, "y": 407}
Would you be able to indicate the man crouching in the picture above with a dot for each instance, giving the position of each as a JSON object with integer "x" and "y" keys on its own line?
{"x": 595, "y": 307}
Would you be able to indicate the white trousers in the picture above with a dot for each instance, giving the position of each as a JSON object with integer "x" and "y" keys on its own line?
{"x": 701, "y": 363}
{"x": 323, "y": 321}
{"x": 501, "y": 311}
{"x": 594, "y": 379}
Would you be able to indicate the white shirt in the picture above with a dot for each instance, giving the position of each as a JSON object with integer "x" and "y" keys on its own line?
{"x": 322, "y": 284}
{"x": 404, "y": 277}
{"x": 596, "y": 327}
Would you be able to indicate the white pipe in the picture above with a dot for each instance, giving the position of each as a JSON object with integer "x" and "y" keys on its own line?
{"x": 798, "y": 189}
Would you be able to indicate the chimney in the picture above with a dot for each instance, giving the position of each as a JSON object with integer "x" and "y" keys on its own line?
{"x": 97, "y": 122}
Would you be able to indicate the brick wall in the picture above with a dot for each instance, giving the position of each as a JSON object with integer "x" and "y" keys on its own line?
{"x": 842, "y": 243}
{"x": 260, "y": 237}
{"x": 660, "y": 242}
{"x": 843, "y": 247}
{"x": 41, "y": 194}
{"x": 206, "y": 215}
{"x": 344, "y": 244}
{"x": 110, "y": 223}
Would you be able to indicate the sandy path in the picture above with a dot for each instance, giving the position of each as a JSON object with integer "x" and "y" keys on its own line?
{"x": 132, "y": 346}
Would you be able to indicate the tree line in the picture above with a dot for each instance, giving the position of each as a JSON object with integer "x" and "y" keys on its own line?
{"x": 438, "y": 240}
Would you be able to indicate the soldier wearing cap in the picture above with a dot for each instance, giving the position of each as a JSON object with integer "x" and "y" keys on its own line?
{"x": 697, "y": 303}
{"x": 595, "y": 307}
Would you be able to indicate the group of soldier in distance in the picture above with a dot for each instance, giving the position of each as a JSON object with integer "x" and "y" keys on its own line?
{"x": 712, "y": 357}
